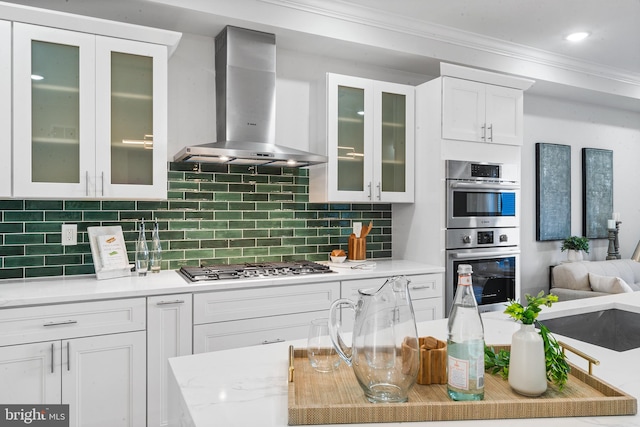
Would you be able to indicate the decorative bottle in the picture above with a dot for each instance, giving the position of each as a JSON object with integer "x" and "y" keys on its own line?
{"x": 465, "y": 342}
{"x": 142, "y": 252}
{"x": 155, "y": 260}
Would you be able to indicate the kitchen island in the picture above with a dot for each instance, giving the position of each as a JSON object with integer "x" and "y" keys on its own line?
{"x": 248, "y": 386}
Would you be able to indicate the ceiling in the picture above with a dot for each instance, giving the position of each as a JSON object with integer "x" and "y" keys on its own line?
{"x": 539, "y": 24}
{"x": 531, "y": 28}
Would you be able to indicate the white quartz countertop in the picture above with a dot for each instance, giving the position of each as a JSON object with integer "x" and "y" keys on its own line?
{"x": 50, "y": 290}
{"x": 248, "y": 386}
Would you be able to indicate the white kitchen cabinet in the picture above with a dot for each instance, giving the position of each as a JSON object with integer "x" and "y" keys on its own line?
{"x": 370, "y": 143}
{"x": 88, "y": 355}
{"x": 33, "y": 370}
{"x": 169, "y": 334}
{"x": 5, "y": 108}
{"x": 425, "y": 290}
{"x": 235, "y": 318}
{"x": 89, "y": 115}
{"x": 104, "y": 380}
{"x": 480, "y": 112}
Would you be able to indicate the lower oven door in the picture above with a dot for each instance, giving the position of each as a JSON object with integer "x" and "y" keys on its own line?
{"x": 496, "y": 278}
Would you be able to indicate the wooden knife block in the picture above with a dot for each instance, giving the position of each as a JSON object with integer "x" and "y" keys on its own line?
{"x": 357, "y": 248}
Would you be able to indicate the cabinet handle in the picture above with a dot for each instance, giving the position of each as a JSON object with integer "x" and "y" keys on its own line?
{"x": 86, "y": 189}
{"x": 68, "y": 356}
{"x": 178, "y": 301}
{"x": 491, "y": 129}
{"x": 64, "y": 322}
{"x": 52, "y": 358}
{"x": 102, "y": 179}
{"x": 484, "y": 132}
{"x": 272, "y": 341}
{"x": 379, "y": 190}
{"x": 369, "y": 190}
{"x": 421, "y": 287}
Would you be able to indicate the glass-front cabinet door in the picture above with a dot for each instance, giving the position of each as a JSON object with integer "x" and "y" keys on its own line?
{"x": 53, "y": 112}
{"x": 350, "y": 138}
{"x": 370, "y": 139}
{"x": 394, "y": 143}
{"x": 131, "y": 119}
{"x": 5, "y": 108}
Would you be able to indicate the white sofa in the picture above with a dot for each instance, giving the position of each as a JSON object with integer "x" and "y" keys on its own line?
{"x": 584, "y": 279}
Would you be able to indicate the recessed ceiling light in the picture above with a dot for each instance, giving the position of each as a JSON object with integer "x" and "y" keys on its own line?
{"x": 576, "y": 37}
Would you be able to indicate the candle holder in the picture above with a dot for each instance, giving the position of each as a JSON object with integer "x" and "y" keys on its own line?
{"x": 617, "y": 242}
{"x": 613, "y": 249}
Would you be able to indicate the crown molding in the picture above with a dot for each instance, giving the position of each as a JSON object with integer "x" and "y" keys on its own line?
{"x": 370, "y": 17}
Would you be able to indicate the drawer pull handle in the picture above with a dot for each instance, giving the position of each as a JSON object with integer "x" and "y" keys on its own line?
{"x": 64, "y": 322}
{"x": 178, "y": 301}
{"x": 52, "y": 358}
{"x": 272, "y": 341}
{"x": 68, "y": 357}
{"x": 421, "y": 287}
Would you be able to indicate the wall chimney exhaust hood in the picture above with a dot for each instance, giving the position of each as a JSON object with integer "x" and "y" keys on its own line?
{"x": 245, "y": 62}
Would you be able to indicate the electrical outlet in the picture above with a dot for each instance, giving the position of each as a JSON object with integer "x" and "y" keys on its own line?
{"x": 69, "y": 234}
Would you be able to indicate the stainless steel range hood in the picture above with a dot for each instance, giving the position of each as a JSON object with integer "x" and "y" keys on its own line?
{"x": 245, "y": 106}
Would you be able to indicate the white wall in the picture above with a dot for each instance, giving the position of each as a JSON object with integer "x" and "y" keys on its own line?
{"x": 578, "y": 125}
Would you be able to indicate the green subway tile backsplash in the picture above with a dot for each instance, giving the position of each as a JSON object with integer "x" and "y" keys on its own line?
{"x": 214, "y": 214}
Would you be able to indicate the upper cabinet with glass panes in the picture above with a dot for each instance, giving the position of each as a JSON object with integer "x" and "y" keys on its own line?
{"x": 370, "y": 143}
{"x": 89, "y": 113}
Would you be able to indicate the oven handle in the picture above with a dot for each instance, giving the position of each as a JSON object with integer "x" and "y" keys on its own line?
{"x": 465, "y": 255}
{"x": 475, "y": 185}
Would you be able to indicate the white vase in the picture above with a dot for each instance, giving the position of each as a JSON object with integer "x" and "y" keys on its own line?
{"x": 573, "y": 255}
{"x": 527, "y": 367}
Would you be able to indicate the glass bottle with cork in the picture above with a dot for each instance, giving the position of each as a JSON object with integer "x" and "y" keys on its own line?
{"x": 155, "y": 260}
{"x": 465, "y": 342}
{"x": 142, "y": 252}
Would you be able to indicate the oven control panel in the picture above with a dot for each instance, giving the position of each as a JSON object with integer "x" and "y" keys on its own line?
{"x": 482, "y": 237}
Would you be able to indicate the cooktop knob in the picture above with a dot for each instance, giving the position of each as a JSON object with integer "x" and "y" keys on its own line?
{"x": 504, "y": 238}
{"x": 466, "y": 239}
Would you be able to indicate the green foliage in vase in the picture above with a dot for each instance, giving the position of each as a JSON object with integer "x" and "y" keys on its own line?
{"x": 527, "y": 315}
{"x": 576, "y": 243}
{"x": 557, "y": 366}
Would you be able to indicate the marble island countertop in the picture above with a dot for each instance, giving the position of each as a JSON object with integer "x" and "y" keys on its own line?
{"x": 248, "y": 386}
{"x": 51, "y": 290}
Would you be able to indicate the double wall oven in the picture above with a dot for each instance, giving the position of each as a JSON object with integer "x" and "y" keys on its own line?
{"x": 483, "y": 230}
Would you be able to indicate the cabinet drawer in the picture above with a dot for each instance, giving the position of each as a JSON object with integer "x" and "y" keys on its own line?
{"x": 248, "y": 332}
{"x": 422, "y": 286}
{"x": 61, "y": 321}
{"x": 260, "y": 302}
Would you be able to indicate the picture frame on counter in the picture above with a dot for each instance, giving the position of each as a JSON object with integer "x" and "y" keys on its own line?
{"x": 109, "y": 252}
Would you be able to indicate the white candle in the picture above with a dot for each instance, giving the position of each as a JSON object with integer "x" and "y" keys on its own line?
{"x": 611, "y": 224}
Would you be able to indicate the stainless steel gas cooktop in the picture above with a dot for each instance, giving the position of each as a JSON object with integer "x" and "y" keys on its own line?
{"x": 252, "y": 270}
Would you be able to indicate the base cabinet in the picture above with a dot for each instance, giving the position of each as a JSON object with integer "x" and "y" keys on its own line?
{"x": 249, "y": 332}
{"x": 104, "y": 381}
{"x": 169, "y": 334}
{"x": 425, "y": 290}
{"x": 101, "y": 378}
{"x": 230, "y": 319}
{"x": 33, "y": 370}
{"x": 91, "y": 356}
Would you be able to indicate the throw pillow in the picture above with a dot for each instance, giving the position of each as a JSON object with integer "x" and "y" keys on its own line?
{"x": 608, "y": 284}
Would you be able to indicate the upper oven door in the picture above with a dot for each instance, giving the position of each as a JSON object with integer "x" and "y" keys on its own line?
{"x": 482, "y": 204}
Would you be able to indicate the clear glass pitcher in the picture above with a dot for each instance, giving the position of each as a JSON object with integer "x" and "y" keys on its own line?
{"x": 384, "y": 354}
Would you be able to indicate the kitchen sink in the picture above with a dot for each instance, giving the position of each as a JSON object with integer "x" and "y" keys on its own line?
{"x": 614, "y": 329}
